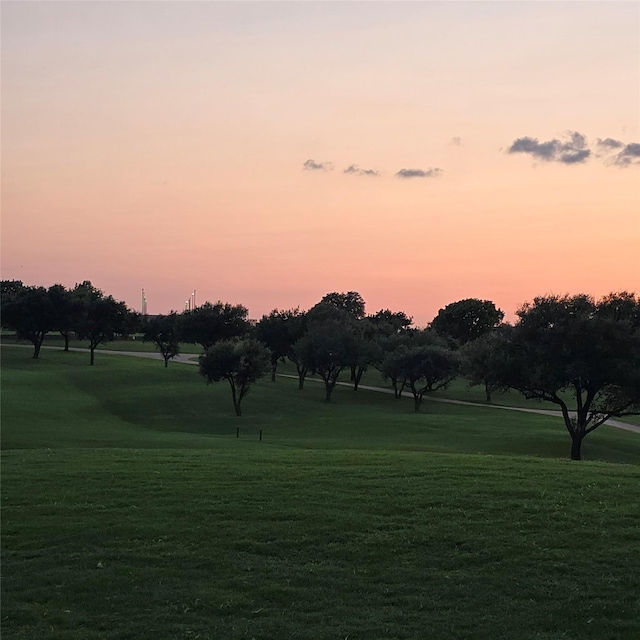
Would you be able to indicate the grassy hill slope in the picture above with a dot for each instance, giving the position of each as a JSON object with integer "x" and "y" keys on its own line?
{"x": 60, "y": 401}
{"x": 131, "y": 510}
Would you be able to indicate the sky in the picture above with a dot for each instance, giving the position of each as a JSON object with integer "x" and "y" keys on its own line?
{"x": 267, "y": 153}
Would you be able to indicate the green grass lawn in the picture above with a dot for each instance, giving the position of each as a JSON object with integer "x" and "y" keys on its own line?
{"x": 133, "y": 344}
{"x": 459, "y": 389}
{"x": 130, "y": 402}
{"x": 264, "y": 543}
{"x": 131, "y": 510}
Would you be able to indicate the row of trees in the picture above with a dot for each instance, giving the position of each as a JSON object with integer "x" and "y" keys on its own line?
{"x": 84, "y": 311}
{"x": 561, "y": 347}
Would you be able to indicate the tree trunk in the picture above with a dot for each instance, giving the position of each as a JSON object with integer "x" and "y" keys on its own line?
{"x": 417, "y": 400}
{"x": 397, "y": 391}
{"x": 576, "y": 447}
{"x": 302, "y": 374}
{"x": 274, "y": 366}
{"x": 487, "y": 392}
{"x": 166, "y": 361}
{"x": 353, "y": 373}
{"x": 328, "y": 386}
{"x": 358, "y": 377}
{"x": 92, "y": 347}
{"x": 236, "y": 399}
{"x": 36, "y": 349}
{"x": 575, "y": 428}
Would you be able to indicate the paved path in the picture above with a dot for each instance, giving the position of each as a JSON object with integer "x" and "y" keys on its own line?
{"x": 192, "y": 358}
{"x": 545, "y": 412}
{"x": 184, "y": 358}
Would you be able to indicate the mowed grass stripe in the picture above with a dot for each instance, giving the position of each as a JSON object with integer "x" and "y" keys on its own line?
{"x": 317, "y": 544}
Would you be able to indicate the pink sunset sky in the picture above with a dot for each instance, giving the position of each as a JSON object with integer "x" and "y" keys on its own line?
{"x": 266, "y": 153}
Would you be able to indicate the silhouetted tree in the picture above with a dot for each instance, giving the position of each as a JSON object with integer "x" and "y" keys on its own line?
{"x": 423, "y": 368}
{"x": 389, "y": 345}
{"x": 210, "y": 323}
{"x": 9, "y": 289}
{"x": 241, "y": 363}
{"x": 573, "y": 345}
{"x": 351, "y": 303}
{"x": 101, "y": 317}
{"x": 29, "y": 312}
{"x": 366, "y": 347}
{"x": 483, "y": 361}
{"x": 67, "y": 310}
{"x": 467, "y": 320}
{"x": 163, "y": 331}
{"x": 326, "y": 349}
{"x": 280, "y": 330}
{"x": 389, "y": 322}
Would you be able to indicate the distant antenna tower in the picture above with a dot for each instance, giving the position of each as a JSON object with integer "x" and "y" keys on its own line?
{"x": 144, "y": 303}
{"x": 193, "y": 299}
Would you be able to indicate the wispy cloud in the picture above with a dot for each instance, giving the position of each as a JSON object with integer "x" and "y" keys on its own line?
{"x": 456, "y": 140}
{"x": 609, "y": 143}
{"x": 615, "y": 153}
{"x": 419, "y": 173}
{"x": 572, "y": 150}
{"x": 355, "y": 170}
{"x": 630, "y": 154}
{"x": 312, "y": 165}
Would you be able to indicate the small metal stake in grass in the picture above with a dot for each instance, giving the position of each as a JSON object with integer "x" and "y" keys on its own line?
{"x": 237, "y": 432}
{"x": 260, "y": 435}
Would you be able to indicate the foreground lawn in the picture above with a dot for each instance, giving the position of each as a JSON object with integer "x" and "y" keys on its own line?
{"x": 132, "y": 511}
{"x": 271, "y": 543}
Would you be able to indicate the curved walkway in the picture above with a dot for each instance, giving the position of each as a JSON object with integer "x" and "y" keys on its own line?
{"x": 545, "y": 412}
{"x": 192, "y": 358}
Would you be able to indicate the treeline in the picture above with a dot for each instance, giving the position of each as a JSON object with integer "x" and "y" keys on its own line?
{"x": 83, "y": 312}
{"x": 561, "y": 346}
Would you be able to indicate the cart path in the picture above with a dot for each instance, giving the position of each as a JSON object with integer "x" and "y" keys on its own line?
{"x": 192, "y": 358}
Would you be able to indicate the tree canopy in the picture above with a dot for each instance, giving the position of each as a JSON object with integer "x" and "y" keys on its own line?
{"x": 483, "y": 361}
{"x": 280, "y": 330}
{"x": 326, "y": 349}
{"x": 100, "y": 317}
{"x": 467, "y": 320}
{"x": 210, "y": 323}
{"x": 29, "y": 312}
{"x": 573, "y": 350}
{"x": 163, "y": 331}
{"x": 423, "y": 369}
{"x": 240, "y": 362}
{"x": 351, "y": 303}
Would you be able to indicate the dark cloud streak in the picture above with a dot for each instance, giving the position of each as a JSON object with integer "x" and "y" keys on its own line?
{"x": 573, "y": 150}
{"x": 312, "y": 165}
{"x": 355, "y": 170}
{"x": 609, "y": 143}
{"x": 419, "y": 173}
{"x": 629, "y": 155}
